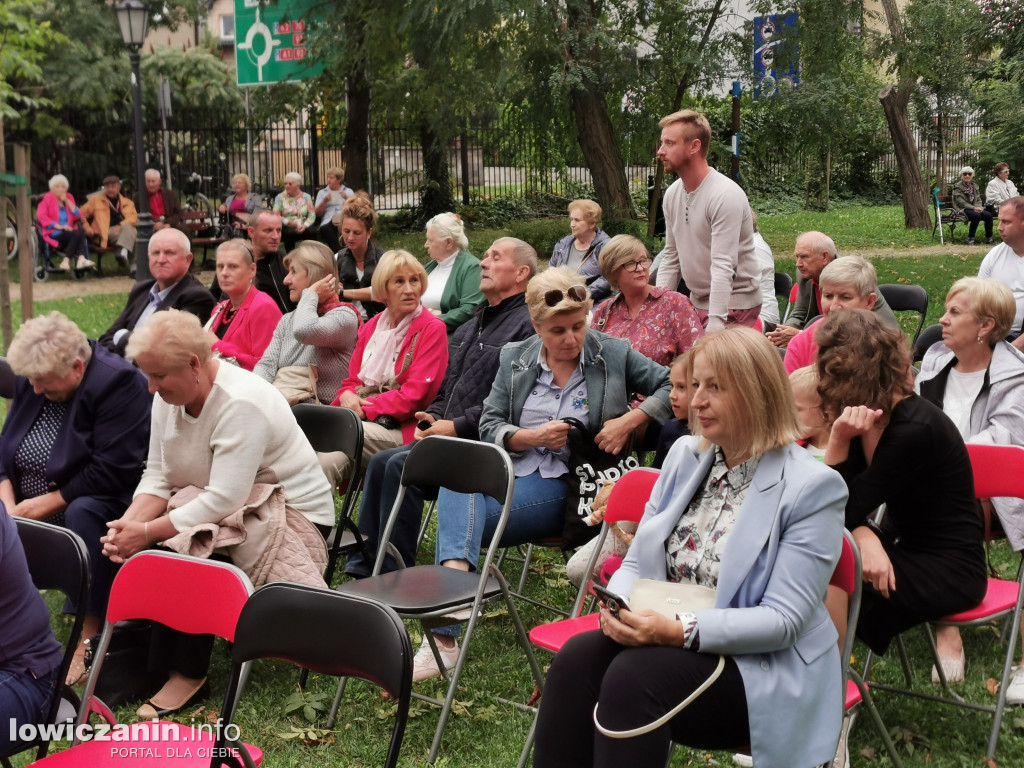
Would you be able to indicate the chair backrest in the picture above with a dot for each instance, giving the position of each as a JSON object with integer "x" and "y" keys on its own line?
{"x": 998, "y": 470}
{"x": 907, "y": 298}
{"x": 462, "y": 466}
{"x": 783, "y": 284}
{"x": 330, "y": 428}
{"x": 185, "y": 593}
{"x": 7, "y": 379}
{"x": 847, "y": 577}
{"x": 629, "y": 496}
{"x": 57, "y": 559}
{"x": 929, "y": 337}
{"x": 330, "y": 633}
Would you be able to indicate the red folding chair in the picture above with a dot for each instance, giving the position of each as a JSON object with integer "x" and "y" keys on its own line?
{"x": 998, "y": 473}
{"x": 186, "y": 594}
{"x": 626, "y": 504}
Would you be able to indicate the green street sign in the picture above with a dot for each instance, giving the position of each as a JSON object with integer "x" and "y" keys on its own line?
{"x": 270, "y": 41}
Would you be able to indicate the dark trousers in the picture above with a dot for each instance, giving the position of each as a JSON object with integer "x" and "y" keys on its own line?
{"x": 633, "y": 687}
{"x": 73, "y": 243}
{"x": 380, "y": 489}
{"x": 88, "y": 517}
{"x": 974, "y": 217}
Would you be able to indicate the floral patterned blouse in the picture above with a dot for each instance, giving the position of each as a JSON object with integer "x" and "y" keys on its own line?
{"x": 693, "y": 551}
{"x": 665, "y": 327}
{"x": 292, "y": 208}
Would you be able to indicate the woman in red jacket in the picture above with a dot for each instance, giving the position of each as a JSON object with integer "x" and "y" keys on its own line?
{"x": 58, "y": 217}
{"x": 244, "y": 323}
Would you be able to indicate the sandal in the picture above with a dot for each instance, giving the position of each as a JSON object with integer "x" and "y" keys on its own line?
{"x": 76, "y": 670}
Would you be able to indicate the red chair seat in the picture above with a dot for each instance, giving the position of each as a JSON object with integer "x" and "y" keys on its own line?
{"x": 853, "y": 697}
{"x": 1000, "y": 597}
{"x": 151, "y": 744}
{"x": 551, "y": 637}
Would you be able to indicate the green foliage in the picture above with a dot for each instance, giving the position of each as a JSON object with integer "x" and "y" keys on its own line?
{"x": 24, "y": 44}
{"x": 200, "y": 83}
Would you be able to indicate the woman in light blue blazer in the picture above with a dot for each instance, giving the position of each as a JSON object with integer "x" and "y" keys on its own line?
{"x": 739, "y": 508}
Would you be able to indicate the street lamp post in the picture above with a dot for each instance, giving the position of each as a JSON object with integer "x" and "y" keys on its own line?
{"x": 133, "y": 17}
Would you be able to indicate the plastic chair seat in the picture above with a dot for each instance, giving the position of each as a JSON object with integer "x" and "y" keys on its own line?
{"x": 426, "y": 589}
{"x": 1000, "y": 598}
{"x": 152, "y": 744}
{"x": 853, "y": 697}
{"x": 551, "y": 637}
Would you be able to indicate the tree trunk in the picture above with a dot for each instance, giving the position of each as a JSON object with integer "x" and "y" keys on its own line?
{"x": 601, "y": 151}
{"x": 356, "y": 143}
{"x": 915, "y": 197}
{"x": 436, "y": 189}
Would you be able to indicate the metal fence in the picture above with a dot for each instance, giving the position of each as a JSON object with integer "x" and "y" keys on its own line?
{"x": 486, "y": 161}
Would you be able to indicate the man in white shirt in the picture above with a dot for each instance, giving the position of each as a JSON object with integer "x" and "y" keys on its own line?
{"x": 1005, "y": 262}
{"x": 709, "y": 239}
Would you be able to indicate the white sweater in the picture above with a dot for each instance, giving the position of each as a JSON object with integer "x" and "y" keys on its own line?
{"x": 245, "y": 434}
{"x": 714, "y": 250}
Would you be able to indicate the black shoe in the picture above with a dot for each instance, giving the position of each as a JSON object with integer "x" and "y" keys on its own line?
{"x": 131, "y": 270}
{"x": 989, "y": 241}
{"x": 970, "y": 241}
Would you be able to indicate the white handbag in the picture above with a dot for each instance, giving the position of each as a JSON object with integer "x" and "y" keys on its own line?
{"x": 669, "y": 599}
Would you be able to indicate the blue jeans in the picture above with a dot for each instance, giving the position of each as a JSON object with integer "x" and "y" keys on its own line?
{"x": 464, "y": 521}
{"x": 380, "y": 489}
{"x": 23, "y": 699}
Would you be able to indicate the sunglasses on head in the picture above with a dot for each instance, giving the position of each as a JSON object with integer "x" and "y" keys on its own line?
{"x": 573, "y": 293}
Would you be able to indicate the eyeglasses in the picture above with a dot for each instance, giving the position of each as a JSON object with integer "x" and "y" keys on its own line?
{"x": 633, "y": 266}
{"x": 1005, "y": 170}
{"x": 573, "y": 293}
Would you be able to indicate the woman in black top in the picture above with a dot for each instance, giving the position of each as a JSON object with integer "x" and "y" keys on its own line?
{"x": 359, "y": 256}
{"x": 926, "y": 558}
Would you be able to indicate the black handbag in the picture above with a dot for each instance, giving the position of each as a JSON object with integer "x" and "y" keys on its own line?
{"x": 127, "y": 674}
{"x": 587, "y": 465}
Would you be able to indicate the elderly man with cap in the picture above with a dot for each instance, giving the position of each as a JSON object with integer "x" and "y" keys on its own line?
{"x": 108, "y": 217}
{"x": 967, "y": 202}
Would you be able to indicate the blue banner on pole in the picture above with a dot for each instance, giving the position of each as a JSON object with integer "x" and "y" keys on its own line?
{"x": 776, "y": 54}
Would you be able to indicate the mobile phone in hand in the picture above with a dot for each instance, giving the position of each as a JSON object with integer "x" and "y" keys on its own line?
{"x": 424, "y": 424}
{"x": 614, "y": 603}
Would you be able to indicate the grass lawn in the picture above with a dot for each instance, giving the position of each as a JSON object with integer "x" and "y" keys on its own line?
{"x": 485, "y": 732}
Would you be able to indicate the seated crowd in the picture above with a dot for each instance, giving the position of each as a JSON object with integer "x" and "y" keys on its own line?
{"x": 760, "y": 471}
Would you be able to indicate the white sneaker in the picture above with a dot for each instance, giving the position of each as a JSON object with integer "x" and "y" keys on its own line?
{"x": 84, "y": 263}
{"x": 741, "y": 759}
{"x": 1015, "y": 688}
{"x": 424, "y": 665}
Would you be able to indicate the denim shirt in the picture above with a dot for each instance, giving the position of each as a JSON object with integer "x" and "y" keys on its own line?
{"x": 611, "y": 369}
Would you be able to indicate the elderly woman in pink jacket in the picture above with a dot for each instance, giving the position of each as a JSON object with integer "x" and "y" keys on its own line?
{"x": 58, "y": 218}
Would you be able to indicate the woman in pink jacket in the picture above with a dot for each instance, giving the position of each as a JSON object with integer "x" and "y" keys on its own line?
{"x": 58, "y": 218}
{"x": 399, "y": 361}
{"x": 244, "y": 323}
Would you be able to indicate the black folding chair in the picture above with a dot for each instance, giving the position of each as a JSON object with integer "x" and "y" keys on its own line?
{"x": 7, "y": 379}
{"x": 907, "y": 298}
{"x": 929, "y": 336}
{"x": 430, "y": 593}
{"x": 332, "y": 634}
{"x": 328, "y": 429}
{"x": 783, "y": 285}
{"x": 57, "y": 559}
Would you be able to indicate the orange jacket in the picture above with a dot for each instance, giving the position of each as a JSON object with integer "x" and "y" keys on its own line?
{"x": 96, "y": 215}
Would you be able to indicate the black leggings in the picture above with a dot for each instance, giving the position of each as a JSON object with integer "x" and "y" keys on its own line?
{"x": 634, "y": 686}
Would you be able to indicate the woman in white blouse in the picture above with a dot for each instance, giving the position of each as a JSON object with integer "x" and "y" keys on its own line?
{"x": 977, "y": 378}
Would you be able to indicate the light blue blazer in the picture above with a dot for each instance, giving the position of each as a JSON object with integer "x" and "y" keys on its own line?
{"x": 769, "y": 614}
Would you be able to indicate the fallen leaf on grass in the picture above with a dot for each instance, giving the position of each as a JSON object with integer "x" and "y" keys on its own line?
{"x": 993, "y": 686}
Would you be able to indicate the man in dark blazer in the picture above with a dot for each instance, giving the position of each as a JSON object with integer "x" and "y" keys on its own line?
{"x": 174, "y": 287}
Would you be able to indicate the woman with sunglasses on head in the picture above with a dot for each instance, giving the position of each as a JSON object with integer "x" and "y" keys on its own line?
{"x": 565, "y": 370}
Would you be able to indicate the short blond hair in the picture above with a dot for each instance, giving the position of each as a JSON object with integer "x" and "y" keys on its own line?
{"x": 554, "y": 279}
{"x": 336, "y": 172}
{"x": 48, "y": 345}
{"x": 989, "y": 299}
{"x": 591, "y": 211}
{"x": 855, "y": 271}
{"x": 617, "y": 252}
{"x": 697, "y": 127}
{"x": 243, "y": 247}
{"x": 805, "y": 381}
{"x": 172, "y": 336}
{"x": 748, "y": 365}
{"x": 314, "y": 258}
{"x": 242, "y": 177}
{"x": 390, "y": 263}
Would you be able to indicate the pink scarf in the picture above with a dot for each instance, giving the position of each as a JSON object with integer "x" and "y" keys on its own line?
{"x": 385, "y": 344}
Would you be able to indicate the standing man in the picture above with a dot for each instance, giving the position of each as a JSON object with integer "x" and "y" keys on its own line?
{"x": 173, "y": 287}
{"x": 1005, "y": 262}
{"x": 329, "y": 202}
{"x": 709, "y": 239}
{"x": 474, "y": 349}
{"x": 163, "y": 203}
{"x": 112, "y": 217}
